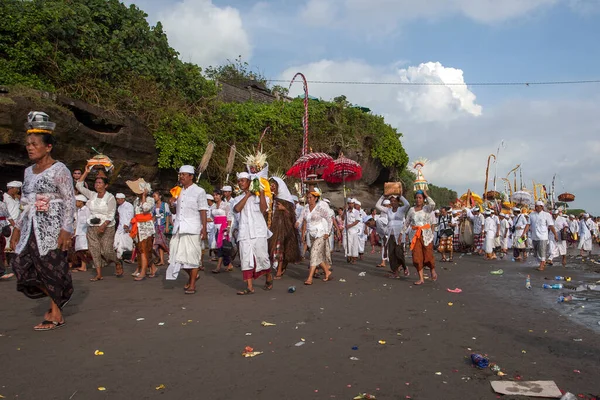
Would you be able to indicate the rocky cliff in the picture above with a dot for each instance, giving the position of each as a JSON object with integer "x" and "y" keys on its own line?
{"x": 79, "y": 127}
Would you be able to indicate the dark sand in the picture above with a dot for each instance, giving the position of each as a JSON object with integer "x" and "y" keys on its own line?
{"x": 197, "y": 353}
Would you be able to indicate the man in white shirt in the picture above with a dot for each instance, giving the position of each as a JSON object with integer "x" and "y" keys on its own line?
{"x": 189, "y": 230}
{"x": 559, "y": 247}
{"x": 382, "y": 230}
{"x": 478, "y": 235}
{"x": 585, "y": 235}
{"x": 574, "y": 228}
{"x": 540, "y": 222}
{"x": 395, "y": 216}
{"x": 253, "y": 234}
{"x": 504, "y": 231}
{"x": 123, "y": 242}
{"x": 12, "y": 201}
{"x": 351, "y": 232}
{"x": 362, "y": 236}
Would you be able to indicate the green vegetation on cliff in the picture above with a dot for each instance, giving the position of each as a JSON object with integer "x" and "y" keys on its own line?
{"x": 106, "y": 53}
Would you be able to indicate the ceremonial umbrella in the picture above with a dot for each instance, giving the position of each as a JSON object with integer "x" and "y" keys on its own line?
{"x": 522, "y": 197}
{"x": 311, "y": 163}
{"x": 342, "y": 170}
{"x": 475, "y": 198}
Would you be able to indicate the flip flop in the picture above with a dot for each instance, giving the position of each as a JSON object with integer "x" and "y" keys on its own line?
{"x": 457, "y": 290}
{"x": 188, "y": 291}
{"x": 307, "y": 283}
{"x": 330, "y": 278}
{"x": 96, "y": 279}
{"x": 52, "y": 325}
{"x": 245, "y": 292}
{"x": 6, "y": 277}
{"x": 139, "y": 279}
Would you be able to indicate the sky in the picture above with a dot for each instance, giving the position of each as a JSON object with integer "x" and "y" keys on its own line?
{"x": 547, "y": 129}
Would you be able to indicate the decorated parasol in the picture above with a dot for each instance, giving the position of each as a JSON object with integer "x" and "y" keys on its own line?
{"x": 342, "y": 170}
{"x": 522, "y": 197}
{"x": 311, "y": 163}
{"x": 420, "y": 183}
{"x": 474, "y": 199}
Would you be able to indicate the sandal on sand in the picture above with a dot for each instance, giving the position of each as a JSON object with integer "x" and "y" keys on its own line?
{"x": 139, "y": 278}
{"x": 406, "y": 272}
{"x": 216, "y": 271}
{"x": 49, "y": 325}
{"x": 308, "y": 283}
{"x": 96, "y": 279}
{"x": 380, "y": 266}
{"x": 190, "y": 291}
{"x": 245, "y": 292}
{"x": 268, "y": 286}
{"x": 418, "y": 283}
{"x": 329, "y": 278}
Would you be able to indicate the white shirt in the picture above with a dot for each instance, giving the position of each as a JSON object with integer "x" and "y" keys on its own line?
{"x": 318, "y": 221}
{"x": 539, "y": 224}
{"x": 477, "y": 220}
{"x": 353, "y": 216}
{"x": 81, "y": 226}
{"x": 103, "y": 208}
{"x": 189, "y": 204}
{"x": 560, "y": 223}
{"x": 251, "y": 222}
{"x": 395, "y": 219}
{"x": 13, "y": 206}
{"x": 125, "y": 211}
{"x": 490, "y": 226}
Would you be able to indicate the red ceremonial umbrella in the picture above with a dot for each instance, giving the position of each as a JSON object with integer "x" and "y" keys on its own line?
{"x": 341, "y": 170}
{"x": 311, "y": 163}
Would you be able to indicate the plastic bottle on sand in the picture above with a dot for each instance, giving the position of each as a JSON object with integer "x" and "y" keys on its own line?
{"x": 528, "y": 282}
{"x": 555, "y": 286}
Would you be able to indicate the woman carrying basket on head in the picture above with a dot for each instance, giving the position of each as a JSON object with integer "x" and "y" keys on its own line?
{"x": 419, "y": 220}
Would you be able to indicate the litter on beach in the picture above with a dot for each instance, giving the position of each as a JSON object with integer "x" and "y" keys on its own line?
{"x": 528, "y": 388}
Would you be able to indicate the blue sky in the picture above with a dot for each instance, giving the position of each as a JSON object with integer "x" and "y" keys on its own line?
{"x": 550, "y": 129}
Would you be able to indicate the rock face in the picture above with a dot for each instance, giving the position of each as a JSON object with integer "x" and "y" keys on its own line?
{"x": 130, "y": 145}
{"x": 79, "y": 127}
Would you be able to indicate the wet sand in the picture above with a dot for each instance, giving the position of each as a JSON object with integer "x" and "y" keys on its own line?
{"x": 197, "y": 352}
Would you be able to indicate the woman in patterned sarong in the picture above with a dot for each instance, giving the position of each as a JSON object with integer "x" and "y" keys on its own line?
{"x": 43, "y": 231}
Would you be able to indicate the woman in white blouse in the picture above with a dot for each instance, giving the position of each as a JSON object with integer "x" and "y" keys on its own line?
{"x": 42, "y": 234}
{"x": 101, "y": 224}
{"x": 318, "y": 224}
{"x": 419, "y": 220}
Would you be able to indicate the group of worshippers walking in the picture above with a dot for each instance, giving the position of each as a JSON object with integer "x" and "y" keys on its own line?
{"x": 398, "y": 225}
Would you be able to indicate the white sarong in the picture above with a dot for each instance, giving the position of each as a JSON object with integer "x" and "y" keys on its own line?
{"x": 122, "y": 243}
{"x": 81, "y": 242}
{"x": 351, "y": 244}
{"x": 185, "y": 251}
{"x": 490, "y": 238}
{"x": 252, "y": 250}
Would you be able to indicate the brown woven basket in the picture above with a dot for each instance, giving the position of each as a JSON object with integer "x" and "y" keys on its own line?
{"x": 491, "y": 195}
{"x": 392, "y": 188}
{"x": 566, "y": 197}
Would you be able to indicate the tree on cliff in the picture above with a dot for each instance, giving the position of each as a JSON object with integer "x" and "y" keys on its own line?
{"x": 106, "y": 53}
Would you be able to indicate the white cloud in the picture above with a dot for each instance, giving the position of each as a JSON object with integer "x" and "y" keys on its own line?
{"x": 445, "y": 124}
{"x": 204, "y": 33}
{"x": 417, "y": 103}
{"x": 385, "y": 15}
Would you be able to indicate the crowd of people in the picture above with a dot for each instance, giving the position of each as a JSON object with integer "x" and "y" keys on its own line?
{"x": 56, "y": 224}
